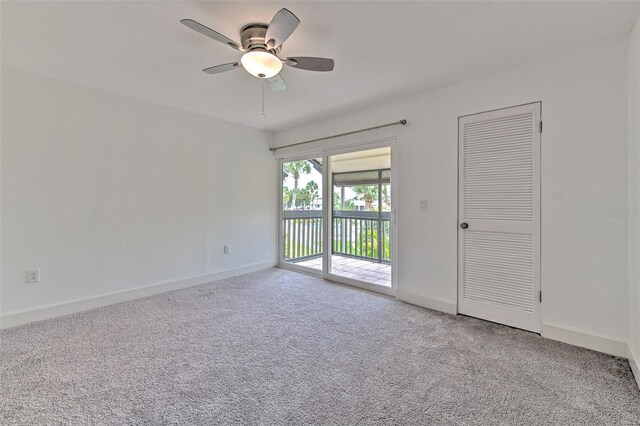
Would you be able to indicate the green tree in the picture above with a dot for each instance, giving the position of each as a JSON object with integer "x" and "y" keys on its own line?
{"x": 337, "y": 202}
{"x": 366, "y": 193}
{"x": 386, "y": 199}
{"x": 312, "y": 187}
{"x": 295, "y": 169}
{"x": 286, "y": 196}
{"x": 303, "y": 198}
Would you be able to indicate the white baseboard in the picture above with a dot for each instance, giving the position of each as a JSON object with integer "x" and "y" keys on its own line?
{"x": 434, "y": 303}
{"x": 13, "y": 319}
{"x": 611, "y": 345}
{"x": 634, "y": 362}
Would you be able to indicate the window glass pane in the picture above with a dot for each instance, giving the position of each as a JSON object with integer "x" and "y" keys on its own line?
{"x": 360, "y": 229}
{"x": 302, "y": 213}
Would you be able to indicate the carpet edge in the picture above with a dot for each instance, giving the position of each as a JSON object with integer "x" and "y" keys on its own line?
{"x": 434, "y": 303}
{"x": 634, "y": 362}
{"x": 47, "y": 312}
{"x": 611, "y": 345}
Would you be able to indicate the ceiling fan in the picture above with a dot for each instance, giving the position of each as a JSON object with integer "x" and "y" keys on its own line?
{"x": 262, "y": 44}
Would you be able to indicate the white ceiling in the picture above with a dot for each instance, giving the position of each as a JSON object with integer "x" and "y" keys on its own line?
{"x": 382, "y": 50}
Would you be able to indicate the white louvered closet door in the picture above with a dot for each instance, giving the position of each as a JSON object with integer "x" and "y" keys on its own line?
{"x": 499, "y": 216}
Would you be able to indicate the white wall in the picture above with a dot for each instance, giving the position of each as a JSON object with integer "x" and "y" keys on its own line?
{"x": 0, "y": 160}
{"x": 105, "y": 193}
{"x": 584, "y": 174}
{"x": 634, "y": 200}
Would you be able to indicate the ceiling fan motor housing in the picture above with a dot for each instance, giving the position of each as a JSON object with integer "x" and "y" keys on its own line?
{"x": 261, "y": 46}
{"x": 252, "y": 37}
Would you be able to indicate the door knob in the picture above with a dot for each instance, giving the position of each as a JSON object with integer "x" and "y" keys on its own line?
{"x": 464, "y": 225}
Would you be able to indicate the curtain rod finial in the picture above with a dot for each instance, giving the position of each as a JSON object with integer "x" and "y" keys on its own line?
{"x": 403, "y": 122}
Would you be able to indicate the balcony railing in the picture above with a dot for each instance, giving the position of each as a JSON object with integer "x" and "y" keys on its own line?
{"x": 354, "y": 233}
{"x": 302, "y": 234}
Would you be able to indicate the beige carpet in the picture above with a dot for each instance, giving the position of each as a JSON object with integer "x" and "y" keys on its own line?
{"x": 277, "y": 347}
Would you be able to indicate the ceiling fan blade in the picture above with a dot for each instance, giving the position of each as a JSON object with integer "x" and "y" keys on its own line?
{"x": 310, "y": 63}
{"x": 206, "y": 31}
{"x": 277, "y": 83}
{"x": 281, "y": 27}
{"x": 222, "y": 68}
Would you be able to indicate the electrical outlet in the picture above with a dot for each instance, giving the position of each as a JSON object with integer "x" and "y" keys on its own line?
{"x": 33, "y": 275}
{"x": 423, "y": 205}
{"x": 226, "y": 249}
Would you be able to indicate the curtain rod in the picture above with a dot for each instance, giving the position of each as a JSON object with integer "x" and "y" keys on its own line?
{"x": 395, "y": 123}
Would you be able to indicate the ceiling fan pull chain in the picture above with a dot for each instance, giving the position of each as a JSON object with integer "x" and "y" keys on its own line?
{"x": 262, "y": 115}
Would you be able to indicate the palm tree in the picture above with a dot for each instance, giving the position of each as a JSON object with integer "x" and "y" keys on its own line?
{"x": 304, "y": 197}
{"x": 312, "y": 187}
{"x": 286, "y": 196}
{"x": 366, "y": 193}
{"x": 295, "y": 169}
{"x": 386, "y": 200}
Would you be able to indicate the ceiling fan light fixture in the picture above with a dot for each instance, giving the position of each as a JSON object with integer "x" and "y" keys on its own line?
{"x": 261, "y": 45}
{"x": 261, "y": 64}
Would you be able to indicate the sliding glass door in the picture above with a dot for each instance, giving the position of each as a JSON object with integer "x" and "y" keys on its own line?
{"x": 301, "y": 225}
{"x": 361, "y": 215}
{"x": 336, "y": 216}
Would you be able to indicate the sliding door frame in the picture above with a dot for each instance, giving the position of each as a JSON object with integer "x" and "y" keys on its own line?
{"x": 281, "y": 263}
{"x": 327, "y": 212}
